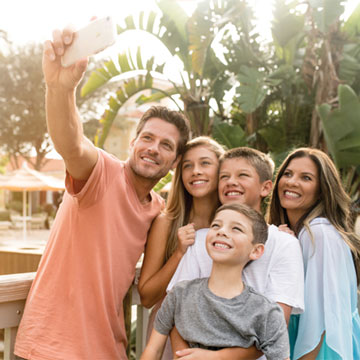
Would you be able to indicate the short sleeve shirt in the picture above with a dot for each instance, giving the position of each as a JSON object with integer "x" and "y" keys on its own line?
{"x": 206, "y": 320}
{"x": 74, "y": 308}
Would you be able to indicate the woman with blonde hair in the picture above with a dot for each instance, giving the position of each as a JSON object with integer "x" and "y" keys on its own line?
{"x": 309, "y": 198}
{"x": 191, "y": 203}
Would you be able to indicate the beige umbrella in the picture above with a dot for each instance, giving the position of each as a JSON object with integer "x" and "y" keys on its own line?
{"x": 26, "y": 179}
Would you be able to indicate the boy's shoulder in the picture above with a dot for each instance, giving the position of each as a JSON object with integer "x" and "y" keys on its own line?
{"x": 189, "y": 285}
{"x": 280, "y": 244}
{"x": 280, "y": 238}
{"x": 275, "y": 233}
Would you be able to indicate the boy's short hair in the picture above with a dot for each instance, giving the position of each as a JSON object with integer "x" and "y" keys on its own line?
{"x": 259, "y": 226}
{"x": 261, "y": 162}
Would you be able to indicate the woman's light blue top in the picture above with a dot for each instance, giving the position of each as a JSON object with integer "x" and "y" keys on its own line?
{"x": 330, "y": 297}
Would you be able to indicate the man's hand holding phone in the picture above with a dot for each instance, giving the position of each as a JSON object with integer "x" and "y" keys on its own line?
{"x": 65, "y": 58}
{"x": 57, "y": 76}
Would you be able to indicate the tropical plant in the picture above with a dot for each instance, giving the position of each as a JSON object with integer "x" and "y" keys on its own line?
{"x": 190, "y": 39}
{"x": 342, "y": 134}
{"x": 280, "y": 85}
{"x": 312, "y": 52}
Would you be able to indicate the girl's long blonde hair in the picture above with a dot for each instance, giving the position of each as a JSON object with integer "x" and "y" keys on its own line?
{"x": 333, "y": 202}
{"x": 179, "y": 201}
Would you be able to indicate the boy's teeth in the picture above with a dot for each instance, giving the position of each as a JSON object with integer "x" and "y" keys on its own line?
{"x": 222, "y": 246}
{"x": 233, "y": 193}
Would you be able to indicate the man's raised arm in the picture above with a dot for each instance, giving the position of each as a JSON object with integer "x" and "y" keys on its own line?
{"x": 62, "y": 115}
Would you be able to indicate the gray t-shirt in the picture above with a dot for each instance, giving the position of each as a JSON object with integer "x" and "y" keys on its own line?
{"x": 206, "y": 320}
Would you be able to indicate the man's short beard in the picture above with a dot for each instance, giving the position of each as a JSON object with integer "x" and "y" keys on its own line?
{"x": 155, "y": 177}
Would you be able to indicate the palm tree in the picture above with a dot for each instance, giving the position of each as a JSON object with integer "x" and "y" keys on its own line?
{"x": 190, "y": 39}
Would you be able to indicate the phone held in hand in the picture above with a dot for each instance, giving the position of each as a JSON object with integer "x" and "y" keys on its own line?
{"x": 93, "y": 38}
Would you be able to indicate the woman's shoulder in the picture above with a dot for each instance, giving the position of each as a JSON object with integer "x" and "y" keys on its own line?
{"x": 320, "y": 220}
{"x": 320, "y": 230}
{"x": 321, "y": 225}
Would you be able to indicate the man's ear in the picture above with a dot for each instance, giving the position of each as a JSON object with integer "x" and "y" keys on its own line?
{"x": 176, "y": 162}
{"x": 266, "y": 188}
{"x": 257, "y": 251}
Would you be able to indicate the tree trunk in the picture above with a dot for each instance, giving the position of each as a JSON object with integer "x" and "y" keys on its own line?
{"x": 198, "y": 115}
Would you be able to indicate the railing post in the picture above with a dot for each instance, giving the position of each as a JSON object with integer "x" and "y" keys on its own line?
{"x": 14, "y": 289}
{"x": 9, "y": 343}
{"x": 142, "y": 320}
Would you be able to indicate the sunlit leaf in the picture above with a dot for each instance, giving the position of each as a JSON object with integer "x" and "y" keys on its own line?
{"x": 230, "y": 136}
{"x": 252, "y": 90}
{"x": 326, "y": 13}
{"x": 342, "y": 128}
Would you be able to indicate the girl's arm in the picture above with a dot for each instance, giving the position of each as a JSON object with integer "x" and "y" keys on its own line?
{"x": 155, "y": 347}
{"x": 287, "y": 311}
{"x": 155, "y": 275}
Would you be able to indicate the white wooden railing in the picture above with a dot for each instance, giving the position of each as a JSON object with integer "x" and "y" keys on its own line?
{"x": 13, "y": 292}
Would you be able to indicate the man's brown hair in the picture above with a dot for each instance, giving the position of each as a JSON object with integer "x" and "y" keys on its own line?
{"x": 171, "y": 116}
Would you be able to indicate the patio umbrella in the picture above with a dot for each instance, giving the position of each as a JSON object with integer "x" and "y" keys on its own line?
{"x": 26, "y": 179}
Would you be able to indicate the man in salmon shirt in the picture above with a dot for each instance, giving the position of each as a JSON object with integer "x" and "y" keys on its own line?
{"x": 74, "y": 308}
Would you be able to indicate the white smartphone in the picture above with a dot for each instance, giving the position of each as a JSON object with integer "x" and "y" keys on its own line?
{"x": 93, "y": 38}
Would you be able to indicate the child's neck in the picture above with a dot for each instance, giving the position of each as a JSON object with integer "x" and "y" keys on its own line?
{"x": 202, "y": 210}
{"x": 226, "y": 281}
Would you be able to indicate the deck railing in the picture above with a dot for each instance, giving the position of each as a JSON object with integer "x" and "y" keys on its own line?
{"x": 14, "y": 289}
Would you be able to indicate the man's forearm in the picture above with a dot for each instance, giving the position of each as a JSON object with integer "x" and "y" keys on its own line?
{"x": 66, "y": 131}
{"x": 63, "y": 121}
{"x": 151, "y": 354}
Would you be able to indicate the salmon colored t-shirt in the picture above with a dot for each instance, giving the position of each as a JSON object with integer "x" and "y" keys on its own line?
{"x": 74, "y": 308}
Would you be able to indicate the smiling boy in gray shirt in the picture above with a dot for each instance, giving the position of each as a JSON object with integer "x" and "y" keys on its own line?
{"x": 221, "y": 311}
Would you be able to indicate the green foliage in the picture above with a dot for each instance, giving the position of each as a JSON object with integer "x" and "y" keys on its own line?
{"x": 287, "y": 30}
{"x": 352, "y": 25}
{"x": 277, "y": 84}
{"x": 164, "y": 181}
{"x": 229, "y": 135}
{"x": 326, "y": 13}
{"x": 342, "y": 134}
{"x": 188, "y": 38}
{"x": 342, "y": 128}
{"x": 22, "y": 105}
{"x": 350, "y": 63}
{"x": 252, "y": 90}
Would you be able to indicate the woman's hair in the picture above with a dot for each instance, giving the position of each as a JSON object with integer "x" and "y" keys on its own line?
{"x": 179, "y": 201}
{"x": 333, "y": 202}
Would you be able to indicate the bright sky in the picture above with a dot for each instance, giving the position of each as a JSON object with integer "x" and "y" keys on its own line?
{"x": 34, "y": 20}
